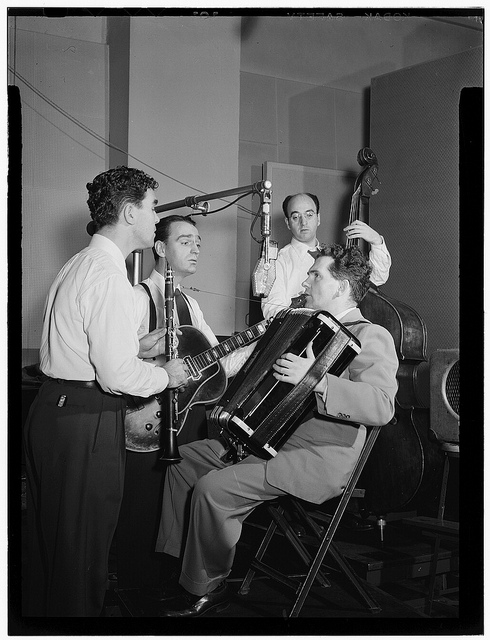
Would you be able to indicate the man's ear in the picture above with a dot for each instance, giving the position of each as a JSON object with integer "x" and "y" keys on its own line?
{"x": 159, "y": 247}
{"x": 342, "y": 288}
{"x": 286, "y": 220}
{"x": 128, "y": 213}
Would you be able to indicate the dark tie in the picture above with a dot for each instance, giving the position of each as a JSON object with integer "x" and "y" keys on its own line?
{"x": 182, "y": 308}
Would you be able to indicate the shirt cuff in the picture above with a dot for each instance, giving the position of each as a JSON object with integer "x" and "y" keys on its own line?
{"x": 160, "y": 378}
{"x": 379, "y": 247}
{"x": 322, "y": 389}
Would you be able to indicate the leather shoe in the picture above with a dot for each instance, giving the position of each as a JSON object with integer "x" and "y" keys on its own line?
{"x": 191, "y": 606}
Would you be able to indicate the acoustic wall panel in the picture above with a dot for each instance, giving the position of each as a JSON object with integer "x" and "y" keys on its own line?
{"x": 415, "y": 133}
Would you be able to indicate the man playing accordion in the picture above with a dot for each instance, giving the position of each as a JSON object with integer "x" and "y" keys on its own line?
{"x": 207, "y": 495}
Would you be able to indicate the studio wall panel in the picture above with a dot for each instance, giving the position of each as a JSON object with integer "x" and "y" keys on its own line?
{"x": 415, "y": 135}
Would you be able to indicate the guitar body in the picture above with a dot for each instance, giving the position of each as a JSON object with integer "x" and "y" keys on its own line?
{"x": 144, "y": 415}
{"x": 211, "y": 384}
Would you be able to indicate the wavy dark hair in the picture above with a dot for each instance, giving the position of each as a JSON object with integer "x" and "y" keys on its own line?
{"x": 114, "y": 188}
{"x": 349, "y": 263}
{"x": 163, "y": 229}
{"x": 287, "y": 199}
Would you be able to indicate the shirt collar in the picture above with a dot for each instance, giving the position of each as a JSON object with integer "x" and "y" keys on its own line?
{"x": 342, "y": 314}
{"x": 159, "y": 279}
{"x": 103, "y": 243}
{"x": 302, "y": 248}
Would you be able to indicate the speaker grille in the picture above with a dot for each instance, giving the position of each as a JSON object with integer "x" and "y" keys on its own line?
{"x": 452, "y": 387}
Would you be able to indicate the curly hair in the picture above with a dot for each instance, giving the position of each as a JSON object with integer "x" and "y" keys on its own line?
{"x": 287, "y": 200}
{"x": 349, "y": 263}
{"x": 163, "y": 229}
{"x": 114, "y": 188}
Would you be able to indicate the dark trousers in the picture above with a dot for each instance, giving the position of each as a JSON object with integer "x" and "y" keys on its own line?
{"x": 75, "y": 469}
{"x": 138, "y": 565}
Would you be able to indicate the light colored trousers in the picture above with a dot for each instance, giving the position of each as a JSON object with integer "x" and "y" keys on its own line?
{"x": 205, "y": 502}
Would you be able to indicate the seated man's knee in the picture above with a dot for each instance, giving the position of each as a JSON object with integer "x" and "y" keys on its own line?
{"x": 209, "y": 487}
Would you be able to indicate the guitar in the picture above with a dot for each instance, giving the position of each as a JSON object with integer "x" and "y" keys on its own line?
{"x": 206, "y": 385}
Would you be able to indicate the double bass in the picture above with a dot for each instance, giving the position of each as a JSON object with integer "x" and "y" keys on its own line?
{"x": 404, "y": 469}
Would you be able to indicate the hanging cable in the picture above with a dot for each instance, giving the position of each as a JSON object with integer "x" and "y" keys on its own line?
{"x": 104, "y": 141}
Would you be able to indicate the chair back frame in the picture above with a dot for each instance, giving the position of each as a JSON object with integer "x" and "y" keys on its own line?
{"x": 326, "y": 544}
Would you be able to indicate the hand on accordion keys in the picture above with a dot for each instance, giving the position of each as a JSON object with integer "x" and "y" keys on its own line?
{"x": 291, "y": 368}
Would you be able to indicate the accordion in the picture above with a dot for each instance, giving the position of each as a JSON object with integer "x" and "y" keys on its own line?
{"x": 257, "y": 412}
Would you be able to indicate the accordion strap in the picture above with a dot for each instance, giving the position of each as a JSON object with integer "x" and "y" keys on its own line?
{"x": 302, "y": 392}
{"x": 313, "y": 376}
{"x": 317, "y": 370}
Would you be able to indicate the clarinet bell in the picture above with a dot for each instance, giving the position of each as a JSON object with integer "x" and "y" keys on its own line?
{"x": 170, "y": 449}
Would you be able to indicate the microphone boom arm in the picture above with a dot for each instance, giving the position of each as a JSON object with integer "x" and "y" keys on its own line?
{"x": 191, "y": 201}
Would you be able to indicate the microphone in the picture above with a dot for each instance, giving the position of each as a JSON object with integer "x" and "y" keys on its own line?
{"x": 261, "y": 186}
{"x": 264, "y": 273}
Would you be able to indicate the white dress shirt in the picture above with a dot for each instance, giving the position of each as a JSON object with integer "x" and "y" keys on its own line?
{"x": 292, "y": 265}
{"x": 89, "y": 325}
{"x": 156, "y": 283}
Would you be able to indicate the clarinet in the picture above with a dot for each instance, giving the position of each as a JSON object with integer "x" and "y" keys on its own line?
{"x": 170, "y": 449}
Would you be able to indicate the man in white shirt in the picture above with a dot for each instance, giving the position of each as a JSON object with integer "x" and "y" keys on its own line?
{"x": 74, "y": 434}
{"x": 177, "y": 241}
{"x": 302, "y": 217}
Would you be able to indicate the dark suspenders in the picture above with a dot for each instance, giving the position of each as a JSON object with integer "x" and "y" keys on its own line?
{"x": 153, "y": 310}
{"x": 184, "y": 315}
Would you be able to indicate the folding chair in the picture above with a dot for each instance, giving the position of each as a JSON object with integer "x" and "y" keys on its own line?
{"x": 322, "y": 535}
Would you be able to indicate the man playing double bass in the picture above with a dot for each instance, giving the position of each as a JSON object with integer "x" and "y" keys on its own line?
{"x": 302, "y": 218}
{"x": 207, "y": 497}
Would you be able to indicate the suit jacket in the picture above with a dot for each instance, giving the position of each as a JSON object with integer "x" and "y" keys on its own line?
{"x": 316, "y": 461}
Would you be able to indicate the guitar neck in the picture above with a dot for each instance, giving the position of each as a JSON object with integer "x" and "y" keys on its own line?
{"x": 212, "y": 355}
